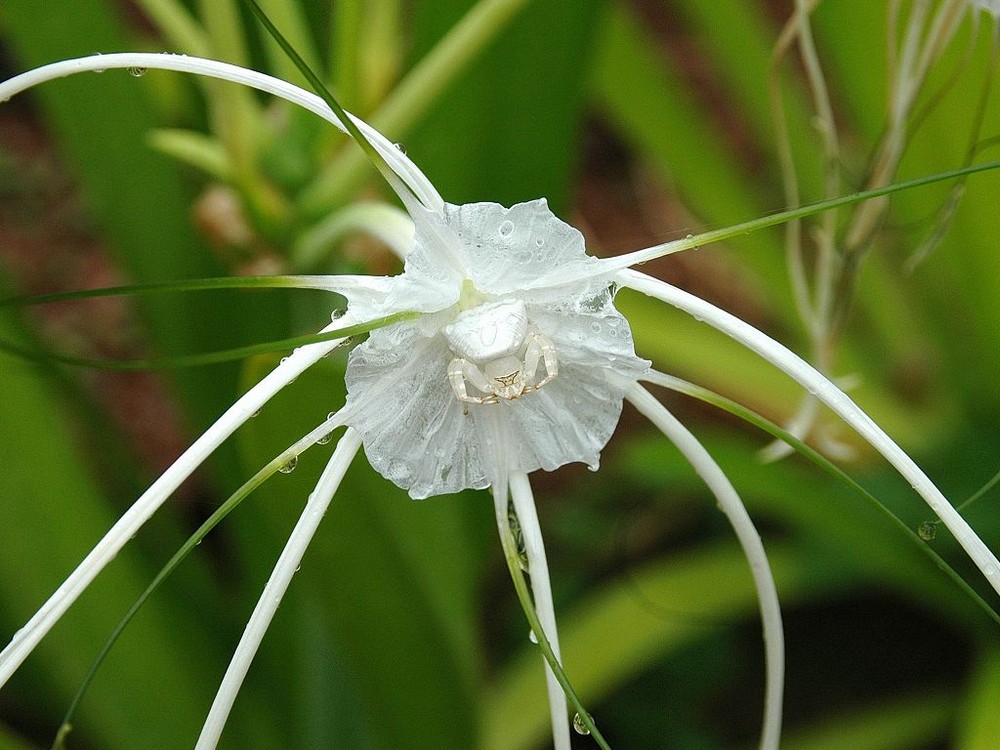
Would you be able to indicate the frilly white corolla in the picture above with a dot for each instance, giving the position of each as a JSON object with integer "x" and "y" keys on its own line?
{"x": 505, "y": 355}
{"x": 552, "y": 363}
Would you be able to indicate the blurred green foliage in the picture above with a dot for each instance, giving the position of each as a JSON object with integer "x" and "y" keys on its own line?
{"x": 639, "y": 121}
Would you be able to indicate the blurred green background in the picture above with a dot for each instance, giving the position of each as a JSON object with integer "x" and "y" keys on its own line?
{"x": 640, "y": 121}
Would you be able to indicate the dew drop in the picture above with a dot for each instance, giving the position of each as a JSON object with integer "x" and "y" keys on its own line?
{"x": 539, "y": 242}
{"x": 532, "y": 637}
{"x": 289, "y": 466}
{"x": 399, "y": 470}
{"x": 596, "y": 327}
{"x": 338, "y": 313}
{"x": 506, "y": 228}
{"x": 927, "y": 531}
{"x": 255, "y": 414}
{"x": 283, "y": 360}
{"x": 325, "y": 439}
{"x": 578, "y": 726}
{"x": 400, "y": 148}
{"x": 136, "y": 71}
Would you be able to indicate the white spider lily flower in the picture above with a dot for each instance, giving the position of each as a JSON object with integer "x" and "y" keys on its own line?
{"x": 416, "y": 430}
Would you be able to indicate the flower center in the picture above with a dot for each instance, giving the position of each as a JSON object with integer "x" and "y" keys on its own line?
{"x": 497, "y": 352}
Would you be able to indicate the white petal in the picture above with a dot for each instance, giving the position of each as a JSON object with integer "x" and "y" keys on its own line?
{"x": 507, "y": 249}
{"x": 414, "y": 429}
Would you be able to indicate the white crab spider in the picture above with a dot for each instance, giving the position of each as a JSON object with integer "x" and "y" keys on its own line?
{"x": 487, "y": 339}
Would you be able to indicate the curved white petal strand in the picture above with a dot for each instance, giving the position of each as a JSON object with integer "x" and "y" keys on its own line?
{"x": 730, "y": 504}
{"x": 25, "y": 640}
{"x": 824, "y": 390}
{"x": 405, "y": 169}
{"x": 541, "y": 588}
{"x": 275, "y": 588}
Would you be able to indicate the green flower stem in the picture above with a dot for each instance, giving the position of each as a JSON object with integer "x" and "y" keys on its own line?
{"x": 266, "y": 472}
{"x": 187, "y": 285}
{"x": 751, "y": 417}
{"x": 208, "y": 358}
{"x": 524, "y": 597}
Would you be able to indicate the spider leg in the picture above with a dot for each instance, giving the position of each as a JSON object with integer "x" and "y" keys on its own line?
{"x": 540, "y": 350}
{"x": 460, "y": 370}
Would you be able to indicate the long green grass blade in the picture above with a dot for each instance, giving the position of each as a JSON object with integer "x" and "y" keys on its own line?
{"x": 208, "y": 358}
{"x": 186, "y": 285}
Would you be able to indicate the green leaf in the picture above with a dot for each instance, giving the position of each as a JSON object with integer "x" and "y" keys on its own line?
{"x": 55, "y": 514}
{"x": 980, "y": 725}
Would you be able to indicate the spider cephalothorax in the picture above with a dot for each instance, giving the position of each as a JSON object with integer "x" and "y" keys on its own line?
{"x": 498, "y": 351}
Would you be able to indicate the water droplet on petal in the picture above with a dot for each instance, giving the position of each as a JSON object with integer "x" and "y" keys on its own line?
{"x": 539, "y": 241}
{"x": 927, "y": 531}
{"x": 255, "y": 414}
{"x": 532, "y": 637}
{"x": 338, "y": 313}
{"x": 325, "y": 439}
{"x": 289, "y": 466}
{"x": 400, "y": 148}
{"x": 136, "y": 71}
{"x": 506, "y": 228}
{"x": 578, "y": 726}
